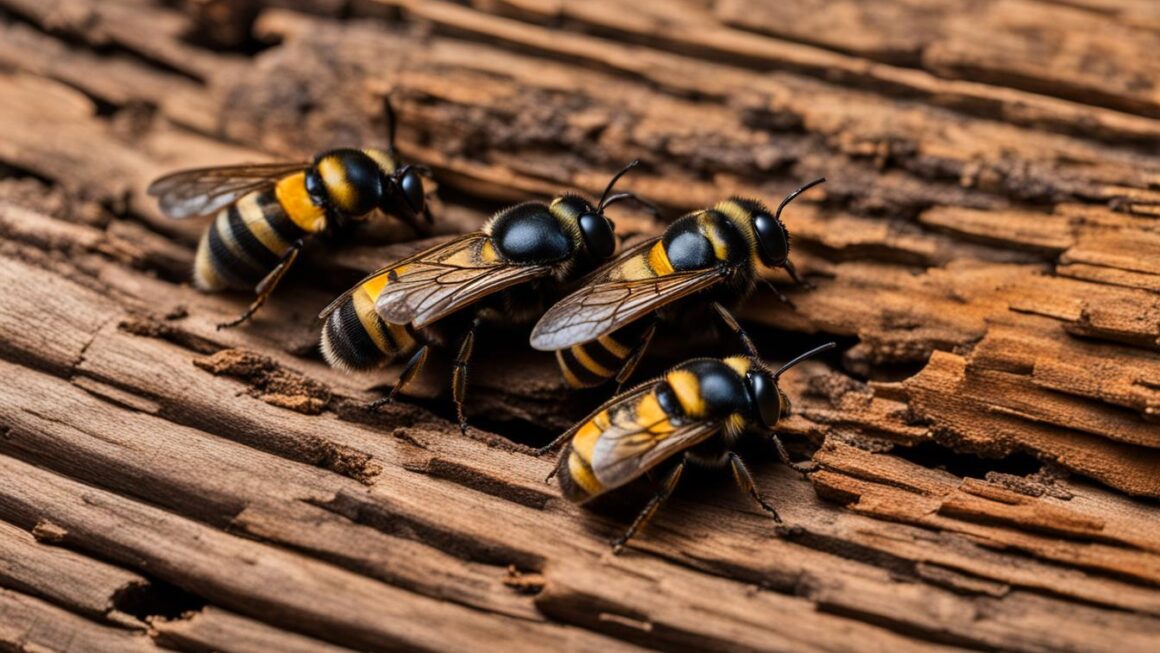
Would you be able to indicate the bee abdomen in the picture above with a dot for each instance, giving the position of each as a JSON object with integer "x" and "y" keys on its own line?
{"x": 244, "y": 243}
{"x": 578, "y": 483}
{"x": 591, "y": 363}
{"x": 354, "y": 336}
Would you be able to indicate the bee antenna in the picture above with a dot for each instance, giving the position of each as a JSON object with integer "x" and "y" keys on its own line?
{"x": 612, "y": 182}
{"x": 389, "y": 115}
{"x": 789, "y": 198}
{"x": 813, "y": 352}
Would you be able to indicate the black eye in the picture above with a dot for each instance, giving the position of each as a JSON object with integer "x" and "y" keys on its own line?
{"x": 412, "y": 186}
{"x": 771, "y": 238}
{"x": 766, "y": 397}
{"x": 598, "y": 235}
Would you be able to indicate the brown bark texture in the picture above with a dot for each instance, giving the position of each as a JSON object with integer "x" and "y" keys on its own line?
{"x": 986, "y": 252}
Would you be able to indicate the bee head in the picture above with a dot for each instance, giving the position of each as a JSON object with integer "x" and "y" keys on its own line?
{"x": 769, "y": 400}
{"x": 403, "y": 192}
{"x": 772, "y": 236}
{"x": 347, "y": 180}
{"x": 597, "y": 231}
{"x": 410, "y": 185}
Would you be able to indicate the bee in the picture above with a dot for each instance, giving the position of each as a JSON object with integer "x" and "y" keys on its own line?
{"x": 503, "y": 273}
{"x": 695, "y": 413}
{"x": 267, "y": 211}
{"x": 708, "y": 258}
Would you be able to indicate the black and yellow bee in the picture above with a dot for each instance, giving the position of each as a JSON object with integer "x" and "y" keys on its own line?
{"x": 267, "y": 211}
{"x": 707, "y": 259}
{"x": 695, "y": 413}
{"x": 506, "y": 272}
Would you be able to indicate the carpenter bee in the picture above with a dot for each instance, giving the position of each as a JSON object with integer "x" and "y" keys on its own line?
{"x": 602, "y": 330}
{"x": 267, "y": 211}
{"x": 695, "y": 413}
{"x": 504, "y": 273}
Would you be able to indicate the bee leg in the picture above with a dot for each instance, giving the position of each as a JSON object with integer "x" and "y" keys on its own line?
{"x": 732, "y": 323}
{"x": 635, "y": 357}
{"x": 552, "y": 445}
{"x": 414, "y": 366}
{"x": 267, "y": 285}
{"x": 794, "y": 275}
{"x": 666, "y": 490}
{"x": 800, "y": 468}
{"x": 459, "y": 375}
{"x": 560, "y": 462}
{"x": 745, "y": 481}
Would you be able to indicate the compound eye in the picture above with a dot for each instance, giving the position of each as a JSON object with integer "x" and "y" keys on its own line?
{"x": 772, "y": 239}
{"x": 599, "y": 235}
{"x": 412, "y": 187}
{"x": 767, "y": 398}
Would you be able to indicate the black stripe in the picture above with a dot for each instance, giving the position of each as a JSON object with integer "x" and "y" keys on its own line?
{"x": 239, "y": 272}
{"x": 568, "y": 487}
{"x": 583, "y": 374}
{"x": 249, "y": 243}
{"x": 388, "y": 335}
{"x": 603, "y": 357}
{"x": 349, "y": 341}
{"x": 279, "y": 220}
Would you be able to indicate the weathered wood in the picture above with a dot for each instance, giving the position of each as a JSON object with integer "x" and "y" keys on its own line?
{"x": 985, "y": 251}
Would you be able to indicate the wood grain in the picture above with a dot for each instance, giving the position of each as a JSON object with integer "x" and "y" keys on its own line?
{"x": 986, "y": 251}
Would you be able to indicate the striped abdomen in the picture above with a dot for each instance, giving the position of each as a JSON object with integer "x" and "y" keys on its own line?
{"x": 248, "y": 238}
{"x": 584, "y": 473}
{"x": 355, "y": 337}
{"x": 591, "y": 363}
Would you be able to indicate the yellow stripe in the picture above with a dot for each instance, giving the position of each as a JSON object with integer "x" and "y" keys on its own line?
{"x": 487, "y": 252}
{"x": 740, "y": 364}
{"x": 582, "y": 475}
{"x": 614, "y": 347}
{"x": 720, "y": 248}
{"x": 373, "y": 287}
{"x": 333, "y": 175}
{"x": 295, "y": 201}
{"x": 386, "y": 163}
{"x": 658, "y": 260}
{"x": 364, "y": 308}
{"x": 569, "y": 376}
{"x": 585, "y": 439}
{"x": 255, "y": 220}
{"x": 401, "y": 335}
{"x": 688, "y": 390}
{"x": 226, "y": 233}
{"x": 587, "y": 361}
{"x": 650, "y": 415}
{"x": 205, "y": 276}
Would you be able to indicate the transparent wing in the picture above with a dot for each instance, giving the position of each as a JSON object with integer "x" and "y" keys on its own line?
{"x": 202, "y": 191}
{"x": 430, "y": 285}
{"x": 629, "y": 448}
{"x": 606, "y": 304}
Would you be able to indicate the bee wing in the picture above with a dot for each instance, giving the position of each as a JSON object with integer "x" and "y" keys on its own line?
{"x": 202, "y": 191}
{"x": 628, "y": 448}
{"x": 608, "y": 303}
{"x": 439, "y": 281}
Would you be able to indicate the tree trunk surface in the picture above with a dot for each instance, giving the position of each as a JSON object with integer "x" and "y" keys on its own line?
{"x": 986, "y": 252}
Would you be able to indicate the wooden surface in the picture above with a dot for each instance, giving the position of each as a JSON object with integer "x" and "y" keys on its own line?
{"x": 986, "y": 252}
